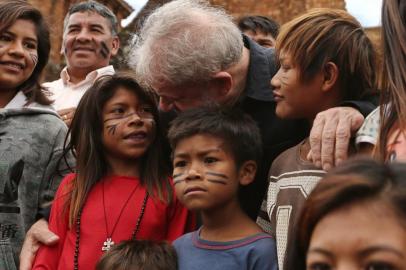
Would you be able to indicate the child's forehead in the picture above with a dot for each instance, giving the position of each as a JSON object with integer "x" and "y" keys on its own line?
{"x": 125, "y": 91}
{"x": 202, "y": 142}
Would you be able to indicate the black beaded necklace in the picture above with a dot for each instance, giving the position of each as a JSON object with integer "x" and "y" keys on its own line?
{"x": 77, "y": 230}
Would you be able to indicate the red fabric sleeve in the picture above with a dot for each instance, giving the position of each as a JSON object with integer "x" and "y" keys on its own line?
{"x": 179, "y": 220}
{"x": 48, "y": 256}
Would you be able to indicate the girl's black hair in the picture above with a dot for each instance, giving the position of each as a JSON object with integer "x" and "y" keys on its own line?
{"x": 85, "y": 143}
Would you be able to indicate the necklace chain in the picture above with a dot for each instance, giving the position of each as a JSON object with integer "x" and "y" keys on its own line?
{"x": 133, "y": 235}
{"x": 109, "y": 236}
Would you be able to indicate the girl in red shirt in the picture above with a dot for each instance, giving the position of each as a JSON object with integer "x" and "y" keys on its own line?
{"x": 121, "y": 189}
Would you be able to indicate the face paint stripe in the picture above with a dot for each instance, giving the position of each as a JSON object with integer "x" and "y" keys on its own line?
{"x": 177, "y": 175}
{"x": 217, "y": 181}
{"x": 34, "y": 58}
{"x": 104, "y": 50}
{"x": 217, "y": 174}
{"x": 111, "y": 129}
{"x": 129, "y": 115}
{"x": 178, "y": 182}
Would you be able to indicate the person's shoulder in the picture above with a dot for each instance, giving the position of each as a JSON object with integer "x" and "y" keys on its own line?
{"x": 262, "y": 253}
{"x": 68, "y": 179}
{"x": 184, "y": 244}
{"x": 38, "y": 119}
{"x": 285, "y": 159}
{"x": 263, "y": 241}
{"x": 184, "y": 239}
{"x": 65, "y": 186}
{"x": 50, "y": 121}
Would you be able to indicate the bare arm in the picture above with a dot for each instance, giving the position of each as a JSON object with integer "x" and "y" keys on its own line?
{"x": 37, "y": 235}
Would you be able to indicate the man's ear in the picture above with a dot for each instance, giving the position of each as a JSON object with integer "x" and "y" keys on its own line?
{"x": 221, "y": 83}
{"x": 115, "y": 45}
{"x": 330, "y": 76}
{"x": 247, "y": 172}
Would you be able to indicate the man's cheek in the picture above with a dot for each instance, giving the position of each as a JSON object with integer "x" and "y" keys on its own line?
{"x": 67, "y": 46}
{"x": 104, "y": 50}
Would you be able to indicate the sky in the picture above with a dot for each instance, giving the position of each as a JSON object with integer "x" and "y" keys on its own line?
{"x": 368, "y": 12}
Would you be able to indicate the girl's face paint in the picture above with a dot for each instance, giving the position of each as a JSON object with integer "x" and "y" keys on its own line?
{"x": 128, "y": 125}
{"x": 204, "y": 175}
{"x": 18, "y": 54}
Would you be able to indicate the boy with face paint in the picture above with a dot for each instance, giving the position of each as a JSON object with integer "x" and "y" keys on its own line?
{"x": 215, "y": 154}
{"x": 89, "y": 41}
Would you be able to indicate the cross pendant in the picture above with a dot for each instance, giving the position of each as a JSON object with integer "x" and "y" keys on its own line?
{"x": 107, "y": 244}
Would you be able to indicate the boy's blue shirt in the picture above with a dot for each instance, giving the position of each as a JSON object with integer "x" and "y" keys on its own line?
{"x": 256, "y": 252}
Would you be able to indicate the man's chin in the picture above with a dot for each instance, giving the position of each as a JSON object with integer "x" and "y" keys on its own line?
{"x": 87, "y": 65}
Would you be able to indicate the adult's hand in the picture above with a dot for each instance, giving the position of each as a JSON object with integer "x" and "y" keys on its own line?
{"x": 38, "y": 234}
{"x": 67, "y": 115}
{"x": 330, "y": 135}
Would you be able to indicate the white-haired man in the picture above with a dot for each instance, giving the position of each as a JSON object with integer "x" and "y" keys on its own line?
{"x": 192, "y": 54}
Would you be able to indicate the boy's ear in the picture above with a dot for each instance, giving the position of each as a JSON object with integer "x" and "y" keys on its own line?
{"x": 221, "y": 83}
{"x": 247, "y": 172}
{"x": 330, "y": 76}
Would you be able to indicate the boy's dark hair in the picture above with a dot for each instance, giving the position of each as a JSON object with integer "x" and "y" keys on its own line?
{"x": 139, "y": 255}
{"x": 331, "y": 35}
{"x": 259, "y": 23}
{"x": 10, "y": 12}
{"x": 240, "y": 133}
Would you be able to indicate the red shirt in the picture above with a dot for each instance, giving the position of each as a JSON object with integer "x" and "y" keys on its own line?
{"x": 160, "y": 222}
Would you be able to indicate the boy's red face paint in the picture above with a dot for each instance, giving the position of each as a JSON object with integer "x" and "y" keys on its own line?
{"x": 128, "y": 126}
{"x": 205, "y": 175}
{"x": 18, "y": 54}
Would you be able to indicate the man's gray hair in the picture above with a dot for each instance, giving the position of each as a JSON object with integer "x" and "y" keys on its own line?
{"x": 93, "y": 6}
{"x": 185, "y": 41}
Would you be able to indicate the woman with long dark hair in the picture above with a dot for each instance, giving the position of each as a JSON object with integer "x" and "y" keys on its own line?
{"x": 355, "y": 218}
{"x": 31, "y": 134}
{"x": 392, "y": 139}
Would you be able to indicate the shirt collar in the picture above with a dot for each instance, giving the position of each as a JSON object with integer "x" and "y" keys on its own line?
{"x": 18, "y": 101}
{"x": 91, "y": 76}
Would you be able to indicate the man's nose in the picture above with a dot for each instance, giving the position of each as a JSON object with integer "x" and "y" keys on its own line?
{"x": 83, "y": 35}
